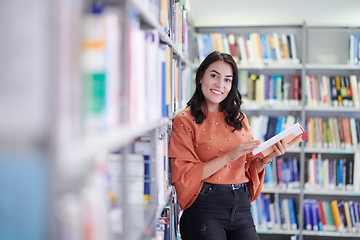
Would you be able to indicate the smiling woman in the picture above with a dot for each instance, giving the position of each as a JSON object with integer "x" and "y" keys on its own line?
{"x": 213, "y": 170}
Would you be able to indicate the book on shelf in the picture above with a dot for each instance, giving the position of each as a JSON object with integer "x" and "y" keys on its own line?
{"x": 287, "y": 135}
{"x": 270, "y": 212}
{"x": 252, "y": 48}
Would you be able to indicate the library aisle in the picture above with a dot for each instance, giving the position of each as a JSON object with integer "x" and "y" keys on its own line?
{"x": 88, "y": 91}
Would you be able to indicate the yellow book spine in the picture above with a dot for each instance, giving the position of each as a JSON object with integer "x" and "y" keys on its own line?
{"x": 336, "y": 215}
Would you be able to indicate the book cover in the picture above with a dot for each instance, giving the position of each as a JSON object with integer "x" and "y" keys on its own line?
{"x": 333, "y": 92}
{"x": 244, "y": 57}
{"x": 233, "y": 47}
{"x": 328, "y": 216}
{"x": 292, "y": 209}
{"x": 322, "y": 215}
{"x": 352, "y": 216}
{"x": 356, "y": 173}
{"x": 347, "y": 216}
{"x": 354, "y": 90}
{"x": 288, "y": 135}
{"x": 357, "y": 215}
{"x": 336, "y": 216}
{"x": 307, "y": 215}
{"x": 316, "y": 224}
{"x": 349, "y": 184}
{"x": 286, "y": 213}
{"x": 267, "y": 202}
{"x": 342, "y": 215}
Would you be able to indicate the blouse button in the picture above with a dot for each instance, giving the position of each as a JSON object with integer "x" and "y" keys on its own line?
{"x": 222, "y": 117}
{"x": 182, "y": 125}
{"x": 208, "y": 121}
{"x": 234, "y": 177}
{"x": 203, "y": 129}
{"x": 226, "y": 126}
{"x": 207, "y": 148}
{"x": 220, "y": 149}
{"x": 210, "y": 137}
{"x": 245, "y": 161}
{"x": 194, "y": 121}
{"x": 190, "y": 130}
{"x": 243, "y": 134}
{"x": 216, "y": 123}
{"x": 182, "y": 113}
{"x": 229, "y": 139}
{"x": 218, "y": 177}
{"x": 196, "y": 145}
{"x": 230, "y": 166}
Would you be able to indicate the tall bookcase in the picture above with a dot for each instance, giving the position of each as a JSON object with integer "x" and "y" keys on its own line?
{"x": 88, "y": 92}
{"x": 322, "y": 51}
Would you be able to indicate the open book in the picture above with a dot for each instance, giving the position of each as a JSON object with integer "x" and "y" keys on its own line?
{"x": 288, "y": 134}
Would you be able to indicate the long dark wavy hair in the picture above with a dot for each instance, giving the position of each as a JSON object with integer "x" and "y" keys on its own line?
{"x": 231, "y": 105}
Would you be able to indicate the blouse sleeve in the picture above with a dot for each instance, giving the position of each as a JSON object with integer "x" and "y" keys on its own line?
{"x": 186, "y": 168}
{"x": 256, "y": 179}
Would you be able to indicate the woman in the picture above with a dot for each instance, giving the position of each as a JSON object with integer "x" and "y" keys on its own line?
{"x": 213, "y": 171}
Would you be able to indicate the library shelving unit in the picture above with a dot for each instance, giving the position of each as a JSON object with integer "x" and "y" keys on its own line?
{"x": 88, "y": 92}
{"x": 320, "y": 51}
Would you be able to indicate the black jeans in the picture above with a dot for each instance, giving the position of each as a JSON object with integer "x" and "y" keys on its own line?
{"x": 219, "y": 213}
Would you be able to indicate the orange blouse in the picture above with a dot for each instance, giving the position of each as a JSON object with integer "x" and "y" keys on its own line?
{"x": 192, "y": 144}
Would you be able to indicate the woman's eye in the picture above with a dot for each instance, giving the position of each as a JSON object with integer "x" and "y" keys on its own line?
{"x": 214, "y": 75}
{"x": 228, "y": 80}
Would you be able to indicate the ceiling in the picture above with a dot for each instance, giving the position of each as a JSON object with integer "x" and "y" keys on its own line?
{"x": 205, "y": 13}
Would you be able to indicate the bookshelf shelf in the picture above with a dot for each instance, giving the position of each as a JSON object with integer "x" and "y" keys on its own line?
{"x": 334, "y": 192}
{"x": 290, "y": 232}
{"x": 332, "y": 109}
{"x": 271, "y": 67}
{"x": 282, "y": 191}
{"x": 331, "y": 151}
{"x": 329, "y": 234}
{"x": 331, "y": 67}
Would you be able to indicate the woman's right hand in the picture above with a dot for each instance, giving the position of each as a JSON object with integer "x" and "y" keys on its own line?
{"x": 244, "y": 148}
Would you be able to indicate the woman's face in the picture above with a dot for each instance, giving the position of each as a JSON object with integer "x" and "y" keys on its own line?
{"x": 216, "y": 84}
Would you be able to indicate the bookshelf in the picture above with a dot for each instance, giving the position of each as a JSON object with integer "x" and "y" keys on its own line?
{"x": 87, "y": 103}
{"x": 321, "y": 51}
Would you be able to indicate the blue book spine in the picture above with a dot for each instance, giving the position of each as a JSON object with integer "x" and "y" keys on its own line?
{"x": 264, "y": 49}
{"x": 339, "y": 171}
{"x": 314, "y": 220}
{"x": 292, "y": 208}
{"x": 164, "y": 109}
{"x": 147, "y": 177}
{"x": 357, "y": 215}
{"x": 268, "y": 174}
{"x": 267, "y": 210}
{"x": 356, "y": 49}
{"x": 295, "y": 169}
{"x": 342, "y": 213}
{"x": 307, "y": 215}
{"x": 352, "y": 216}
